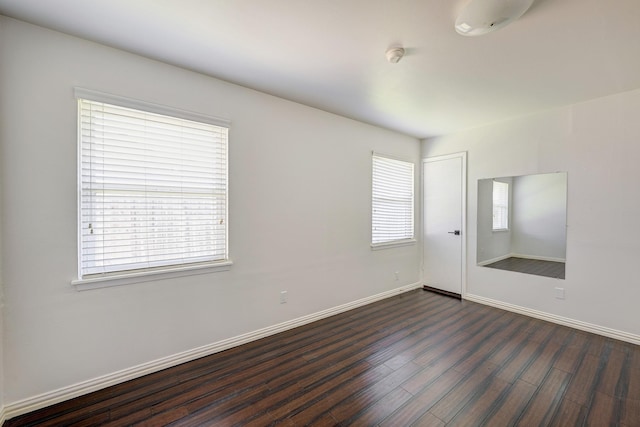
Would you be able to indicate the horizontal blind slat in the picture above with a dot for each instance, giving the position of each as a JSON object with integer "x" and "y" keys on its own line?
{"x": 392, "y": 200}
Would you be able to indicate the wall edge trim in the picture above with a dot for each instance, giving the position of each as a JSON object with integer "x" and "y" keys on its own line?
{"x": 43, "y": 400}
{"x": 565, "y": 321}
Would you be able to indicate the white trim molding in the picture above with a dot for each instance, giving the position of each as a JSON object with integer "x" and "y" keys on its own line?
{"x": 565, "y": 321}
{"x": 3, "y": 417}
{"x": 492, "y": 260}
{"x": 65, "y": 393}
{"x": 123, "y": 101}
{"x": 119, "y": 279}
{"x": 392, "y": 244}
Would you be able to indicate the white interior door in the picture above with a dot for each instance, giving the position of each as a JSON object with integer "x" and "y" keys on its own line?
{"x": 444, "y": 195}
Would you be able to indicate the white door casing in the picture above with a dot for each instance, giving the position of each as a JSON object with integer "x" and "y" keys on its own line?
{"x": 444, "y": 212}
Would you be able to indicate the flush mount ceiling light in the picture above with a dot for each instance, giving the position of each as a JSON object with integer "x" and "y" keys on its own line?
{"x": 484, "y": 16}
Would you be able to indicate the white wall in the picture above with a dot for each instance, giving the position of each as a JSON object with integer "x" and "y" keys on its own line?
{"x": 596, "y": 142}
{"x": 299, "y": 216}
{"x": 540, "y": 216}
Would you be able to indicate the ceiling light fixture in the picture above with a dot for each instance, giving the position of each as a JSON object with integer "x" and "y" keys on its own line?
{"x": 484, "y": 16}
{"x": 395, "y": 54}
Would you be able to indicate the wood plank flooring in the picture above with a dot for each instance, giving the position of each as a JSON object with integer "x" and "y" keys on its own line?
{"x": 531, "y": 266}
{"x": 418, "y": 359}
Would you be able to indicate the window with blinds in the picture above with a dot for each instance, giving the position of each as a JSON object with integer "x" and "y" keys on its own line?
{"x": 153, "y": 190}
{"x": 500, "y": 206}
{"x": 392, "y": 200}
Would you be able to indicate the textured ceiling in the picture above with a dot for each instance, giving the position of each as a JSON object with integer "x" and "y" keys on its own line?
{"x": 330, "y": 54}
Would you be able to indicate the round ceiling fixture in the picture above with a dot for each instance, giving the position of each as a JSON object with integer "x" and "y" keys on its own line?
{"x": 484, "y": 16}
{"x": 395, "y": 54}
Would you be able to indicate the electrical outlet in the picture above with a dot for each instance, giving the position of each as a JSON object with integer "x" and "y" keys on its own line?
{"x": 559, "y": 292}
{"x": 397, "y": 273}
{"x": 283, "y": 297}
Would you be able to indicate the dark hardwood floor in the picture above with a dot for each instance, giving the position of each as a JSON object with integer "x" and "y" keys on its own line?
{"x": 416, "y": 359}
{"x": 531, "y": 266}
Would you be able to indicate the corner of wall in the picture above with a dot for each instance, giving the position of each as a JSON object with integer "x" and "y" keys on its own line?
{"x": 2, "y": 416}
{"x": 2, "y": 382}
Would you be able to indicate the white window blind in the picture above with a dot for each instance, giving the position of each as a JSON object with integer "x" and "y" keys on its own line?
{"x": 500, "y": 205}
{"x": 392, "y": 200}
{"x": 153, "y": 190}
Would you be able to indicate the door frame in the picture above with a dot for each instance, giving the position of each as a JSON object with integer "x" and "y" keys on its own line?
{"x": 463, "y": 268}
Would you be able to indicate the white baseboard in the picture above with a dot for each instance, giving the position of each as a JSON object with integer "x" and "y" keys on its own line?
{"x": 2, "y": 415}
{"x": 496, "y": 259}
{"x": 43, "y": 400}
{"x": 576, "y": 324}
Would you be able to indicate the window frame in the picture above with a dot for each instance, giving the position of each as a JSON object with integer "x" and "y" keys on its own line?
{"x": 504, "y": 225}
{"x": 123, "y": 277}
{"x": 404, "y": 241}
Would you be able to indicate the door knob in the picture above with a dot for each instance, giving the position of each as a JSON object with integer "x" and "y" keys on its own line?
{"x": 456, "y": 232}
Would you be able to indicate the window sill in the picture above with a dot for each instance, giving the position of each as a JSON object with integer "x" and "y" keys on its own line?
{"x": 119, "y": 279}
{"x": 394, "y": 244}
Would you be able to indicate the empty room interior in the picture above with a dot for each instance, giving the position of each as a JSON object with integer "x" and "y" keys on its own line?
{"x": 377, "y": 212}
